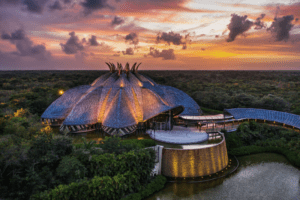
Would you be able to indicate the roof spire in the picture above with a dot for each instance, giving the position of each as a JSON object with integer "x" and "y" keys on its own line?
{"x": 110, "y": 69}
{"x": 120, "y": 68}
{"x": 133, "y": 67}
{"x": 127, "y": 69}
{"x": 113, "y": 67}
{"x": 136, "y": 69}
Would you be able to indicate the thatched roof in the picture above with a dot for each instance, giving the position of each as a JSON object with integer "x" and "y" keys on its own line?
{"x": 262, "y": 114}
{"x": 62, "y": 106}
{"x": 119, "y": 100}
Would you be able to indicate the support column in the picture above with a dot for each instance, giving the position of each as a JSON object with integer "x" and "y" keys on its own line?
{"x": 170, "y": 117}
{"x": 224, "y": 118}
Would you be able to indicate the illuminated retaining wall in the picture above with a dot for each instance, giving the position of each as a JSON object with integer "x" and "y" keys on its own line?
{"x": 194, "y": 162}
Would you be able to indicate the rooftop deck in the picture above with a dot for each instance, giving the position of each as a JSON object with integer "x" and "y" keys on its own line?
{"x": 179, "y": 135}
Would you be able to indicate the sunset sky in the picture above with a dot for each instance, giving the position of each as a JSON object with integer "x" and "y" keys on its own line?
{"x": 162, "y": 34}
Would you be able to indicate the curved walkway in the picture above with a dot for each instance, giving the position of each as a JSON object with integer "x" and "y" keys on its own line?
{"x": 268, "y": 115}
{"x": 179, "y": 135}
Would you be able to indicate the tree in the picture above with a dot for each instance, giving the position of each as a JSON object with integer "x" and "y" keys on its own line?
{"x": 273, "y": 102}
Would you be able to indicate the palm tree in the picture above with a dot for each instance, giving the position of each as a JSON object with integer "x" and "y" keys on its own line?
{"x": 88, "y": 145}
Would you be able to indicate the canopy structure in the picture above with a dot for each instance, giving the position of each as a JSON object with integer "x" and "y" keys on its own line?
{"x": 117, "y": 101}
{"x": 268, "y": 115}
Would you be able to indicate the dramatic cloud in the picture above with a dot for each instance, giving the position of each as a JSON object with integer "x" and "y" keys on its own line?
{"x": 165, "y": 54}
{"x": 72, "y": 45}
{"x": 147, "y": 6}
{"x": 35, "y": 6}
{"x": 258, "y": 23}
{"x": 281, "y": 27}
{"x": 132, "y": 38}
{"x": 117, "y": 21}
{"x": 93, "y": 41}
{"x": 170, "y": 37}
{"x": 92, "y": 5}
{"x": 55, "y": 6}
{"x": 174, "y": 38}
{"x": 13, "y": 2}
{"x": 17, "y": 35}
{"x": 238, "y": 25}
{"x": 129, "y": 51}
{"x": 25, "y": 46}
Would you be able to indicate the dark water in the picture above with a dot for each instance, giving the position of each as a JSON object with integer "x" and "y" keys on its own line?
{"x": 265, "y": 176}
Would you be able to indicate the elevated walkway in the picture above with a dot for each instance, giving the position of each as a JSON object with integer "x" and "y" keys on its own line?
{"x": 284, "y": 118}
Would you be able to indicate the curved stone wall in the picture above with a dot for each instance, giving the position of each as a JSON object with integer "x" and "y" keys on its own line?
{"x": 183, "y": 163}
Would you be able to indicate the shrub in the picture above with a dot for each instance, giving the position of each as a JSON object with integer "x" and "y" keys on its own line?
{"x": 2, "y": 125}
{"x": 106, "y": 188}
{"x": 133, "y": 143}
{"x": 10, "y": 129}
{"x": 84, "y": 156}
{"x": 12, "y": 160}
{"x": 155, "y": 185}
{"x": 88, "y": 145}
{"x": 48, "y": 149}
{"x": 112, "y": 145}
{"x": 29, "y": 169}
{"x": 22, "y": 113}
{"x": 147, "y": 143}
{"x": 247, "y": 150}
{"x": 233, "y": 141}
{"x": 111, "y": 164}
{"x": 70, "y": 169}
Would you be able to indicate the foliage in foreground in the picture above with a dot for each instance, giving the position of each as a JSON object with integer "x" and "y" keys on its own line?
{"x": 113, "y": 177}
{"x": 117, "y": 146}
{"x": 106, "y": 188}
{"x": 252, "y": 133}
{"x": 29, "y": 169}
{"x": 157, "y": 184}
{"x": 247, "y": 150}
{"x": 47, "y": 161}
{"x": 251, "y": 138}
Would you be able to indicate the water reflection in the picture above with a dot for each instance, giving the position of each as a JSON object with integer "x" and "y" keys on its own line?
{"x": 261, "y": 176}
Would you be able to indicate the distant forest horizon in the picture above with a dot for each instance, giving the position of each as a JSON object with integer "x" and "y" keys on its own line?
{"x": 271, "y": 70}
{"x": 212, "y": 90}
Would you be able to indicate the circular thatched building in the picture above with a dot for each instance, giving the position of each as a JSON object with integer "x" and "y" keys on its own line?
{"x": 119, "y": 102}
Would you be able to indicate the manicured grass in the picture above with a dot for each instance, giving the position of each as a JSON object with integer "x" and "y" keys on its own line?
{"x": 208, "y": 111}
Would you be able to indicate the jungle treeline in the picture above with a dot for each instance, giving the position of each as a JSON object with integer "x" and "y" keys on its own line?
{"x": 275, "y": 90}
